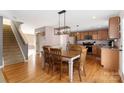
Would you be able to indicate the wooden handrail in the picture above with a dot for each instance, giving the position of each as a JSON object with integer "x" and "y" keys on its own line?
{"x": 20, "y": 35}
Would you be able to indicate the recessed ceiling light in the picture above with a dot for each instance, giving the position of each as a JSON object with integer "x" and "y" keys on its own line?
{"x": 93, "y": 17}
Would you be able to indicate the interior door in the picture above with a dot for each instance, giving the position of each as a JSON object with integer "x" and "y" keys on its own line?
{"x": 122, "y": 51}
{"x": 121, "y": 47}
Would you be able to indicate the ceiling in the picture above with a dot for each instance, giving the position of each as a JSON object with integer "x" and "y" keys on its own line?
{"x": 86, "y": 19}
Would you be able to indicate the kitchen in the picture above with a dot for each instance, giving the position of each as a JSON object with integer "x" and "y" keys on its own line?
{"x": 95, "y": 25}
{"x": 100, "y": 35}
{"x": 102, "y": 43}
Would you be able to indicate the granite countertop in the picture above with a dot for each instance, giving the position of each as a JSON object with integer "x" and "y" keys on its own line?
{"x": 112, "y": 48}
{"x": 107, "y": 47}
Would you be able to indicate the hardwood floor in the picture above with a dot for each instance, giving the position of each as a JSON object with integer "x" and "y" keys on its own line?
{"x": 32, "y": 72}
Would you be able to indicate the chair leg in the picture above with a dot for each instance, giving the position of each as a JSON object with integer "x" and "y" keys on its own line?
{"x": 52, "y": 69}
{"x": 67, "y": 69}
{"x": 79, "y": 72}
{"x": 60, "y": 70}
{"x": 48, "y": 68}
{"x": 84, "y": 73}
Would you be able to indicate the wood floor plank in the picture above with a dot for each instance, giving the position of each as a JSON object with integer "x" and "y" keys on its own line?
{"x": 32, "y": 72}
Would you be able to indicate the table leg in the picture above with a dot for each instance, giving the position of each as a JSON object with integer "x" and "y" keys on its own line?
{"x": 71, "y": 70}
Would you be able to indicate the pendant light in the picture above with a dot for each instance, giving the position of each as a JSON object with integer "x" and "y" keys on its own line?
{"x": 61, "y": 30}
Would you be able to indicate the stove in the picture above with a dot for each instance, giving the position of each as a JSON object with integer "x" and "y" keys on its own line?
{"x": 88, "y": 45}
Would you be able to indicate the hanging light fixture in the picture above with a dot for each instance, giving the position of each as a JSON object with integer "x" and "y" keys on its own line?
{"x": 61, "y": 30}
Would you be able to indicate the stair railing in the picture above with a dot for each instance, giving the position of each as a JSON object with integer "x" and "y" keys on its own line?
{"x": 22, "y": 42}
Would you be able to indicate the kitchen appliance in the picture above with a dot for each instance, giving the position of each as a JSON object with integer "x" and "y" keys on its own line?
{"x": 88, "y": 37}
{"x": 88, "y": 45}
{"x": 111, "y": 43}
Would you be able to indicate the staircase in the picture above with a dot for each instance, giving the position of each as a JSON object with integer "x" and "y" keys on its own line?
{"x": 11, "y": 51}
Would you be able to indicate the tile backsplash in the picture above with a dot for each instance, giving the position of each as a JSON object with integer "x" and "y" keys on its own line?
{"x": 97, "y": 42}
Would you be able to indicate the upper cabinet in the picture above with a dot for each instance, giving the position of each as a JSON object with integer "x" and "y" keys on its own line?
{"x": 82, "y": 35}
{"x": 114, "y": 27}
{"x": 78, "y": 36}
{"x": 103, "y": 34}
{"x": 95, "y": 35}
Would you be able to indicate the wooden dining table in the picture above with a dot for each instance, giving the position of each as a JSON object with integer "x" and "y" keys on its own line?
{"x": 69, "y": 56}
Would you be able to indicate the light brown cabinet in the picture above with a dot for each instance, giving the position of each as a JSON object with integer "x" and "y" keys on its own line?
{"x": 114, "y": 27}
{"x": 95, "y": 35}
{"x": 96, "y": 50}
{"x": 90, "y": 33}
{"x": 78, "y": 35}
{"x": 110, "y": 58}
{"x": 103, "y": 34}
{"x": 82, "y": 35}
{"x": 86, "y": 33}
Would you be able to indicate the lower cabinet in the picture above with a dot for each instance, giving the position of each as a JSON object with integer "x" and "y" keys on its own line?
{"x": 110, "y": 58}
{"x": 96, "y": 50}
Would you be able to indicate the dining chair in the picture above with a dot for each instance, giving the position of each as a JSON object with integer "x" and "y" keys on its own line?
{"x": 74, "y": 47}
{"x": 47, "y": 58}
{"x": 56, "y": 59}
{"x": 80, "y": 64}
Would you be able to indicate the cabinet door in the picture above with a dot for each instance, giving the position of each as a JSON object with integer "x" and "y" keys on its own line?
{"x": 104, "y": 34}
{"x": 94, "y": 50}
{"x": 99, "y": 35}
{"x": 98, "y": 51}
{"x": 86, "y": 33}
{"x": 82, "y": 35}
{"x": 91, "y": 33}
{"x": 94, "y": 35}
{"x": 114, "y": 27}
{"x": 78, "y": 36}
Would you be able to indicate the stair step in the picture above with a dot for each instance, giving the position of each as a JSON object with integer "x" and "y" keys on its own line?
{"x": 12, "y": 62}
{"x": 10, "y": 58}
{"x": 6, "y": 45}
{"x": 8, "y": 49}
{"x": 11, "y": 51}
{"x": 8, "y": 36}
{"x": 10, "y": 42}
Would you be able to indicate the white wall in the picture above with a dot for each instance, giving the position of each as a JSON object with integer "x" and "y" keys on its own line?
{"x": 48, "y": 39}
{"x": 51, "y": 39}
{"x": 26, "y": 29}
{"x": 30, "y": 39}
{"x": 63, "y": 41}
{"x": 121, "y": 46}
{"x": 1, "y": 41}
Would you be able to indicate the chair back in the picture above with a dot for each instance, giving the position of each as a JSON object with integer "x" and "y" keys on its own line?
{"x": 74, "y": 47}
{"x": 83, "y": 58}
{"x": 46, "y": 54}
{"x": 56, "y": 55}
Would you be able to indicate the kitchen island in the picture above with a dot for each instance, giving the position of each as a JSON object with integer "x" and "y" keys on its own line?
{"x": 110, "y": 58}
